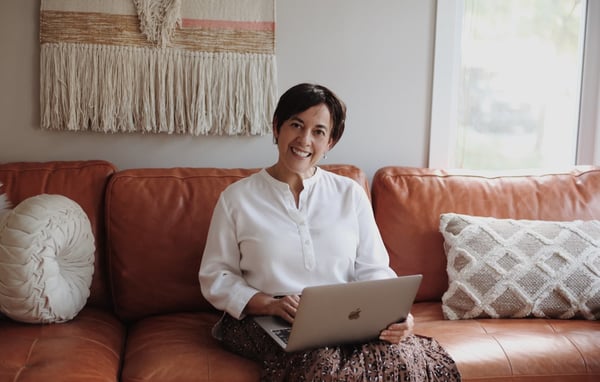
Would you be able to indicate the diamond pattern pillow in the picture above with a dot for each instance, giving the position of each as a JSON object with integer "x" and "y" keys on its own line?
{"x": 504, "y": 268}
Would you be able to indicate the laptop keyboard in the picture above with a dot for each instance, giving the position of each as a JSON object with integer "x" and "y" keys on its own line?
{"x": 284, "y": 334}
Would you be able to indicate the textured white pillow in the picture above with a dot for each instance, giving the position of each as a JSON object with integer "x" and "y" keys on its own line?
{"x": 4, "y": 205}
{"x": 4, "y": 209}
{"x": 521, "y": 268}
{"x": 46, "y": 260}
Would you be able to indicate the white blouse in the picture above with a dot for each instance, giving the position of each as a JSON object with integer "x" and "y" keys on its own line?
{"x": 259, "y": 240}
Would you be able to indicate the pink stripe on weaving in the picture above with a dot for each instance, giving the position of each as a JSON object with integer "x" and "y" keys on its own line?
{"x": 223, "y": 24}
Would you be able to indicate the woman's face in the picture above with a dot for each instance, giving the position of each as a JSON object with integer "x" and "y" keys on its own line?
{"x": 304, "y": 139}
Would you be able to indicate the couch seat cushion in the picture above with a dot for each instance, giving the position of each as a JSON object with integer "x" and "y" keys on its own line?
{"x": 87, "y": 348}
{"x": 515, "y": 349}
{"x": 179, "y": 347}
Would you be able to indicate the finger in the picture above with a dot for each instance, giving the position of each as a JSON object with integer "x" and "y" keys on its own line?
{"x": 286, "y": 310}
{"x": 399, "y": 327}
{"x": 290, "y": 309}
{"x": 288, "y": 317}
{"x": 293, "y": 300}
{"x": 290, "y": 313}
{"x": 393, "y": 336}
{"x": 394, "y": 332}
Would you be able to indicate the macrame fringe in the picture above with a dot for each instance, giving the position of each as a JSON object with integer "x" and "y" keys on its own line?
{"x": 129, "y": 89}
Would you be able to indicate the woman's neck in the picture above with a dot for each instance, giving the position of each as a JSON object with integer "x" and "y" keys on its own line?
{"x": 294, "y": 180}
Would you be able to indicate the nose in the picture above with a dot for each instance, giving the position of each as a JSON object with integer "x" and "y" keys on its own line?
{"x": 304, "y": 136}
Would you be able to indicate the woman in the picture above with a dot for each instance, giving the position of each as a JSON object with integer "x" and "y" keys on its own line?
{"x": 294, "y": 225}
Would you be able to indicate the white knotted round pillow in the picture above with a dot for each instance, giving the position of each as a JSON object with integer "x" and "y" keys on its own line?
{"x": 46, "y": 260}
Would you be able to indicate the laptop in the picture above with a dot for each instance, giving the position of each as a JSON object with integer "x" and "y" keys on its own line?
{"x": 338, "y": 314}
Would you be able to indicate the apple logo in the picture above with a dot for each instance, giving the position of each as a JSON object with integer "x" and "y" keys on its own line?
{"x": 354, "y": 315}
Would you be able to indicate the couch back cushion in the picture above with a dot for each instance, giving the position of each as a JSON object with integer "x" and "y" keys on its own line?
{"x": 81, "y": 181}
{"x": 157, "y": 222}
{"x": 408, "y": 202}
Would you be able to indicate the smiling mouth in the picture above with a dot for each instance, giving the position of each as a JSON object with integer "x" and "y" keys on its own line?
{"x": 301, "y": 153}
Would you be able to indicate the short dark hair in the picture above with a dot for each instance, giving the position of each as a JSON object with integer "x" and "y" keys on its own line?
{"x": 304, "y": 96}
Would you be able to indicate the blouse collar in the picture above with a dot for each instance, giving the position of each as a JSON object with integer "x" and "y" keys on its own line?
{"x": 308, "y": 182}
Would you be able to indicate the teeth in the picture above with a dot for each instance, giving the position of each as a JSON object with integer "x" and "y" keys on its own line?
{"x": 300, "y": 152}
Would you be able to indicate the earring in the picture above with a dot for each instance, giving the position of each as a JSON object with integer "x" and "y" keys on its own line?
{"x": 324, "y": 156}
{"x": 274, "y": 140}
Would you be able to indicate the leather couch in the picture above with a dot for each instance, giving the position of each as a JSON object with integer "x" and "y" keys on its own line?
{"x": 146, "y": 320}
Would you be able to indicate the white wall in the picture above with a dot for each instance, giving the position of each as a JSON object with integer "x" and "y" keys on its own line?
{"x": 376, "y": 54}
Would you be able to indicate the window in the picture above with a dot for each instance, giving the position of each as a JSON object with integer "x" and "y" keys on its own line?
{"x": 515, "y": 84}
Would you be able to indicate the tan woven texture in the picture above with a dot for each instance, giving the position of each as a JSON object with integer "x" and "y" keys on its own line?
{"x": 197, "y": 67}
{"x": 521, "y": 268}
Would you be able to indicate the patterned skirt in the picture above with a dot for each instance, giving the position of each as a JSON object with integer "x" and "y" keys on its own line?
{"x": 416, "y": 358}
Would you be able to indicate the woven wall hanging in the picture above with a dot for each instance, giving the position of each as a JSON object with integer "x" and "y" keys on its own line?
{"x": 199, "y": 67}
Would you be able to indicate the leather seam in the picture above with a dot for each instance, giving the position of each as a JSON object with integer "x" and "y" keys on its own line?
{"x": 578, "y": 351}
{"x": 18, "y": 375}
{"x": 581, "y": 354}
{"x": 512, "y": 372}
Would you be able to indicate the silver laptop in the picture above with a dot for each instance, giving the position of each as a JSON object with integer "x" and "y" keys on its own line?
{"x": 344, "y": 313}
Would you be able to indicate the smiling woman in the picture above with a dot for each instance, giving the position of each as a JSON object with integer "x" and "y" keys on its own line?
{"x": 302, "y": 141}
{"x": 294, "y": 225}
{"x": 308, "y": 121}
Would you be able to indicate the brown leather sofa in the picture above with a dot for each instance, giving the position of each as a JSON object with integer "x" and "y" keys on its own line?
{"x": 146, "y": 319}
{"x": 408, "y": 203}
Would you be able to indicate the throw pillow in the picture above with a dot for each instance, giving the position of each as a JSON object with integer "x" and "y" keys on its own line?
{"x": 46, "y": 260}
{"x": 4, "y": 209}
{"x": 521, "y": 268}
{"x": 4, "y": 205}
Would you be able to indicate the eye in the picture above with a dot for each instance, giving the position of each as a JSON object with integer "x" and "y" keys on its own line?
{"x": 295, "y": 125}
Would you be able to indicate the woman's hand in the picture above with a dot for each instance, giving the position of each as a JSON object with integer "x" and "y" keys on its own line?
{"x": 285, "y": 307}
{"x": 398, "y": 331}
{"x": 262, "y": 304}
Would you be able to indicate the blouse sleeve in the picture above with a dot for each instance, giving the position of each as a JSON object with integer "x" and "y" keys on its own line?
{"x": 372, "y": 259}
{"x": 220, "y": 276}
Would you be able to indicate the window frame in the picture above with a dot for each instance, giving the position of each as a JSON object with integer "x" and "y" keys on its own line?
{"x": 444, "y": 101}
